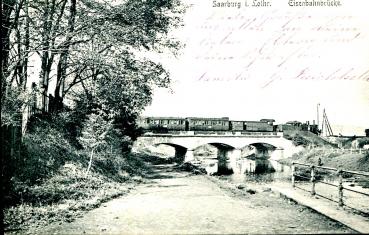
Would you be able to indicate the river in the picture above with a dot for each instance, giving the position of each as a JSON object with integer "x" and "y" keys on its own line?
{"x": 261, "y": 170}
{"x": 253, "y": 168}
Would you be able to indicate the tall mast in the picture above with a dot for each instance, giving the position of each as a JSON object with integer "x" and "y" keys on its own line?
{"x": 328, "y": 128}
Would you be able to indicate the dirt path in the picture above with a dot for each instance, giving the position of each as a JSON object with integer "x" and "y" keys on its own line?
{"x": 177, "y": 202}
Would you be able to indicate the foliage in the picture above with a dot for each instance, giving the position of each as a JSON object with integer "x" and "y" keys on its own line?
{"x": 95, "y": 50}
{"x": 100, "y": 55}
{"x": 44, "y": 150}
{"x": 97, "y": 132}
{"x": 13, "y": 105}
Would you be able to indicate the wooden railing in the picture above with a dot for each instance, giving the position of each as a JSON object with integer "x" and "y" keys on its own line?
{"x": 313, "y": 180}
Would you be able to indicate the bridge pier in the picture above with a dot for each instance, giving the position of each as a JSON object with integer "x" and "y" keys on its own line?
{"x": 222, "y": 157}
{"x": 234, "y": 156}
{"x": 180, "y": 154}
{"x": 227, "y": 159}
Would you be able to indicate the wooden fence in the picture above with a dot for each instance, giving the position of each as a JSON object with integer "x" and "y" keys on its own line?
{"x": 313, "y": 179}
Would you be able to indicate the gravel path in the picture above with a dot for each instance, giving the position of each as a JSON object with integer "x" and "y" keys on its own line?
{"x": 177, "y": 202}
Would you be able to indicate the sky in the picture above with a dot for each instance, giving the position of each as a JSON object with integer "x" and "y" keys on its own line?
{"x": 277, "y": 61}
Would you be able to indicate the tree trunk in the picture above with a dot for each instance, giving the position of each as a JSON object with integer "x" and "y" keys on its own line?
{"x": 90, "y": 162}
{"x": 45, "y": 73}
{"x": 26, "y": 46}
{"x": 63, "y": 60}
{"x": 7, "y": 7}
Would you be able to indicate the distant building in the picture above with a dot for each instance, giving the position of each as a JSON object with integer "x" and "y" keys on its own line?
{"x": 367, "y": 132}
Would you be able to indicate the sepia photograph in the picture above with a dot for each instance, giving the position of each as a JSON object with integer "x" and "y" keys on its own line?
{"x": 184, "y": 116}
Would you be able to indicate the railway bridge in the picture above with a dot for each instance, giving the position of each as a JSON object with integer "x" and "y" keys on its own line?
{"x": 228, "y": 143}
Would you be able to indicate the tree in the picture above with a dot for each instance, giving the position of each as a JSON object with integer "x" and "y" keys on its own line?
{"x": 99, "y": 135}
{"x": 95, "y": 50}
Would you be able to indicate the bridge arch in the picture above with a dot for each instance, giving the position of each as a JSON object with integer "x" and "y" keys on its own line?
{"x": 263, "y": 145}
{"x": 263, "y": 150}
{"x": 180, "y": 151}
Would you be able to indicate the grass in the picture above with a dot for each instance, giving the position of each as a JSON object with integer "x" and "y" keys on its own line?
{"x": 49, "y": 182}
{"x": 306, "y": 138}
{"x": 67, "y": 193}
{"x": 346, "y": 161}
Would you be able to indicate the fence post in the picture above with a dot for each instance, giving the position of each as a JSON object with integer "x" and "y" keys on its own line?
{"x": 293, "y": 175}
{"x": 312, "y": 180}
{"x": 340, "y": 188}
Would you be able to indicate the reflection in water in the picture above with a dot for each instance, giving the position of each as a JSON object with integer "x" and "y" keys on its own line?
{"x": 257, "y": 168}
{"x": 260, "y": 170}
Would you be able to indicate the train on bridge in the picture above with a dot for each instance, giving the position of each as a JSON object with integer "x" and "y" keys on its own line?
{"x": 167, "y": 124}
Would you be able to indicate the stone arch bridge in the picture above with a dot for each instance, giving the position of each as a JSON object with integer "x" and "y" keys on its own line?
{"x": 229, "y": 144}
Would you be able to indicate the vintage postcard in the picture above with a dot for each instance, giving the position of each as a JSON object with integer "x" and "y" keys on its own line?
{"x": 184, "y": 116}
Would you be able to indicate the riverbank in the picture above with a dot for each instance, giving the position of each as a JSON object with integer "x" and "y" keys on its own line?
{"x": 331, "y": 158}
{"x": 356, "y": 219}
{"x": 185, "y": 203}
{"x": 345, "y": 160}
{"x": 69, "y": 193}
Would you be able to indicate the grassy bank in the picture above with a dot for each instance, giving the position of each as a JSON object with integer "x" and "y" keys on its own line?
{"x": 68, "y": 192}
{"x": 306, "y": 138}
{"x": 49, "y": 182}
{"x": 346, "y": 161}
